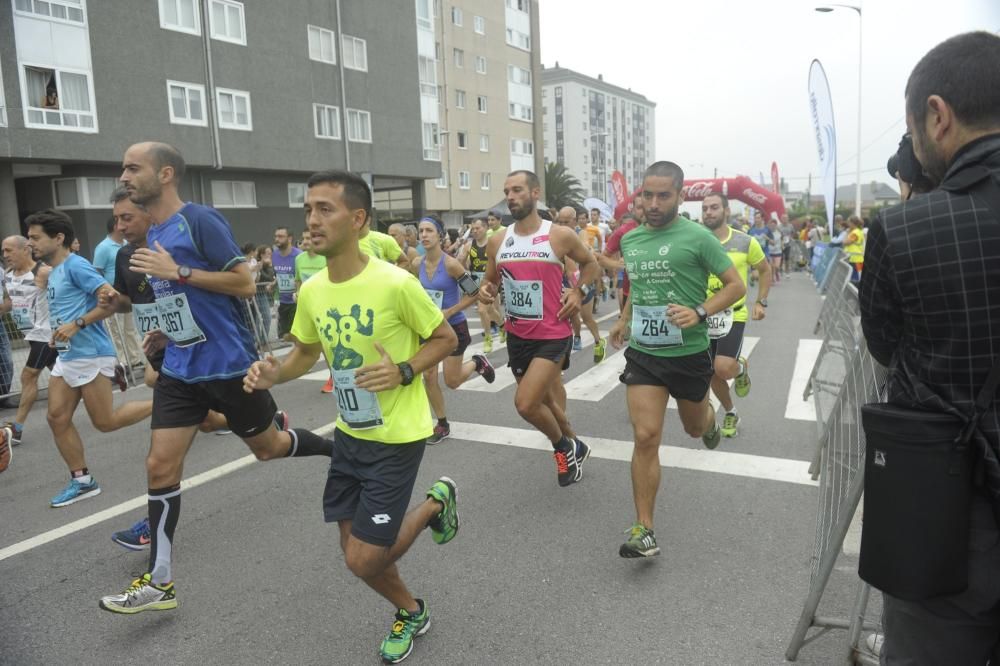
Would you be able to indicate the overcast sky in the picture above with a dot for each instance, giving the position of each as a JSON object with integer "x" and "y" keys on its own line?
{"x": 729, "y": 78}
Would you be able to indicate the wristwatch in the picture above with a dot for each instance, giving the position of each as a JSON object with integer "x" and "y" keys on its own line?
{"x": 702, "y": 313}
{"x": 406, "y": 373}
{"x": 762, "y": 301}
{"x": 80, "y": 323}
{"x": 183, "y": 274}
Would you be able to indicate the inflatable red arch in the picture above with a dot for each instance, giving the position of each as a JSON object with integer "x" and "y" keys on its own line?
{"x": 740, "y": 188}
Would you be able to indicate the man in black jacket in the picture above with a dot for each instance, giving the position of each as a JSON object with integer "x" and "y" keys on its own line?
{"x": 930, "y": 309}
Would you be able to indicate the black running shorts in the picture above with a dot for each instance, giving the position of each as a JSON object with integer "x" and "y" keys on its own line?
{"x": 286, "y": 315}
{"x": 41, "y": 355}
{"x": 177, "y": 404}
{"x": 731, "y": 344}
{"x": 370, "y": 484}
{"x": 684, "y": 377}
{"x": 521, "y": 351}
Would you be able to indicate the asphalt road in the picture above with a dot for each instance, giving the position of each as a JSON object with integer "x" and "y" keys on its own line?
{"x": 533, "y": 576}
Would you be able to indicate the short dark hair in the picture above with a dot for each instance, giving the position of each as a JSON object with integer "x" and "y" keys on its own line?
{"x": 164, "y": 154}
{"x": 529, "y": 176}
{"x": 53, "y": 222}
{"x": 723, "y": 197}
{"x": 595, "y": 209}
{"x": 965, "y": 71}
{"x": 495, "y": 214}
{"x": 111, "y": 224}
{"x": 120, "y": 194}
{"x": 354, "y": 189}
{"x": 545, "y": 215}
{"x": 665, "y": 169}
{"x": 286, "y": 230}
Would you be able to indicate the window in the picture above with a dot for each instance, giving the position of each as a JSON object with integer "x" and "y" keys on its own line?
{"x": 521, "y": 112}
{"x": 58, "y": 99}
{"x": 520, "y": 75}
{"x": 326, "y": 121}
{"x": 518, "y": 39}
{"x": 83, "y": 192}
{"x": 462, "y": 139}
{"x": 459, "y": 55}
{"x": 427, "y": 69}
{"x": 522, "y": 147}
{"x": 180, "y": 15}
{"x": 187, "y": 103}
{"x": 432, "y": 141}
{"x": 456, "y": 16}
{"x": 234, "y": 109}
{"x": 355, "y": 53}
{"x": 459, "y": 99}
{"x": 234, "y": 194}
{"x": 442, "y": 180}
{"x": 480, "y": 64}
{"x": 296, "y": 195}
{"x": 359, "y": 126}
{"x": 463, "y": 180}
{"x": 70, "y": 11}
{"x": 519, "y": 5}
{"x": 584, "y": 125}
{"x": 485, "y": 180}
{"x": 479, "y": 25}
{"x": 484, "y": 143}
{"x": 558, "y": 91}
{"x": 321, "y": 45}
{"x": 481, "y": 103}
{"x": 424, "y": 18}
{"x": 227, "y": 21}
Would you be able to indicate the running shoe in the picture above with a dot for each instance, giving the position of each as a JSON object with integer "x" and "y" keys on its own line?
{"x": 577, "y": 343}
{"x": 440, "y": 432}
{"x": 742, "y": 382}
{"x": 568, "y": 471}
{"x": 282, "y": 421}
{"x": 444, "y": 526}
{"x": 729, "y": 423}
{"x": 599, "y": 350}
{"x": 488, "y": 344}
{"x": 15, "y": 433}
{"x": 76, "y": 491}
{"x": 141, "y": 595}
{"x": 328, "y": 387}
{"x": 222, "y": 431}
{"x": 6, "y": 454}
{"x": 134, "y": 538}
{"x": 582, "y": 453}
{"x": 398, "y": 645}
{"x": 640, "y": 543}
{"x": 484, "y": 368}
{"x": 503, "y": 335}
{"x": 712, "y": 438}
{"x": 120, "y": 381}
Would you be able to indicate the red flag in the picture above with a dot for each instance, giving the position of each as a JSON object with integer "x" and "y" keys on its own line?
{"x": 620, "y": 189}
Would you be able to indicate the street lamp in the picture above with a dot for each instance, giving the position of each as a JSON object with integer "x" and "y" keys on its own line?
{"x": 857, "y": 187}
{"x": 602, "y": 172}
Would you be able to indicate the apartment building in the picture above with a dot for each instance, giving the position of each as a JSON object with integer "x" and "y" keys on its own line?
{"x": 595, "y": 128}
{"x": 255, "y": 94}
{"x": 479, "y": 67}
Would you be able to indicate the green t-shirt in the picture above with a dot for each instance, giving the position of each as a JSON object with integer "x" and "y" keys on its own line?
{"x": 670, "y": 265}
{"x": 306, "y": 266}
{"x": 745, "y": 252}
{"x": 381, "y": 246}
{"x": 383, "y": 304}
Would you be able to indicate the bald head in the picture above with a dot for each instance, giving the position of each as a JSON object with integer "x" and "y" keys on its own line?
{"x": 17, "y": 254}
{"x": 566, "y": 216}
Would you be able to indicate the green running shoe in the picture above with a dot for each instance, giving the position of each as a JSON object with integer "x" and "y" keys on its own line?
{"x": 444, "y": 526}
{"x": 742, "y": 383}
{"x": 398, "y": 645}
{"x": 599, "y": 350}
{"x": 488, "y": 343}
{"x": 640, "y": 543}
{"x": 729, "y": 423}
{"x": 712, "y": 438}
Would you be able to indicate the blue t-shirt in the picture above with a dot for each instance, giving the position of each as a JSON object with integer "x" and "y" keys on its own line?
{"x": 104, "y": 258}
{"x": 284, "y": 273}
{"x": 72, "y": 293}
{"x": 209, "y": 337}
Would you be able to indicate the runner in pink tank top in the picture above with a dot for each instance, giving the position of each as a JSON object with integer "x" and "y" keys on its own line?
{"x": 527, "y": 257}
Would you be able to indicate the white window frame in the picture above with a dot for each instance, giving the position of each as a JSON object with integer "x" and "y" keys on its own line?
{"x": 485, "y": 180}
{"x": 441, "y": 182}
{"x": 234, "y": 125}
{"x": 83, "y": 194}
{"x": 349, "y": 44}
{"x": 334, "y": 125}
{"x": 361, "y": 113}
{"x": 431, "y": 138}
{"x": 482, "y": 104}
{"x": 458, "y": 57}
{"x": 484, "y": 143}
{"x": 462, "y": 140}
{"x": 230, "y": 184}
{"x": 188, "y": 87}
{"x": 320, "y": 33}
{"x": 65, "y": 4}
{"x": 456, "y": 16}
{"x": 221, "y": 36}
{"x": 479, "y": 25}
{"x": 515, "y": 112}
{"x": 427, "y": 75}
{"x": 480, "y": 60}
{"x": 58, "y": 71}
{"x": 293, "y": 189}
{"x": 516, "y": 74}
{"x": 459, "y": 99}
{"x": 464, "y": 175}
{"x": 196, "y": 10}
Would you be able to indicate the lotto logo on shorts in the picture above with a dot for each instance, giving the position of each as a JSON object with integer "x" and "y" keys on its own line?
{"x": 381, "y": 519}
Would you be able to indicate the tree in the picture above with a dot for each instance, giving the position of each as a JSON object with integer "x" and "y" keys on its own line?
{"x": 561, "y": 187}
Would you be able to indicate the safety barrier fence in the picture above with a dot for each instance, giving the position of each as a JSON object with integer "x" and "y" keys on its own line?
{"x": 844, "y": 377}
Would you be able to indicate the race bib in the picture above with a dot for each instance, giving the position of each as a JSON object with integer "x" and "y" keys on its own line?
{"x": 720, "y": 324}
{"x": 177, "y": 321}
{"x": 62, "y": 346}
{"x": 478, "y": 277}
{"x": 523, "y": 298}
{"x": 286, "y": 283}
{"x": 436, "y": 295}
{"x": 146, "y": 316}
{"x": 651, "y": 328}
{"x": 21, "y": 314}
{"x": 358, "y": 407}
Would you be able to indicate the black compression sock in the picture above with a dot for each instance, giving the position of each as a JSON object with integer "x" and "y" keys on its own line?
{"x": 164, "y": 506}
{"x": 443, "y": 422}
{"x": 307, "y": 443}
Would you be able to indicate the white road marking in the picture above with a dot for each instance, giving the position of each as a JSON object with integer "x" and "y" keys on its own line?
{"x": 805, "y": 358}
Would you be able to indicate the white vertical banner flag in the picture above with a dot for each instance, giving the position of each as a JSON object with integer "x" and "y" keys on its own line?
{"x": 821, "y": 111}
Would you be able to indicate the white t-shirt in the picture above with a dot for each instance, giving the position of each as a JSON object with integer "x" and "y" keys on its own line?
{"x": 30, "y": 309}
